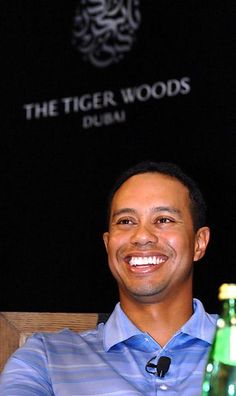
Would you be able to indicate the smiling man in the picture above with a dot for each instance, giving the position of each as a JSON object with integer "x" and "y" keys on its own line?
{"x": 151, "y": 246}
{"x": 158, "y": 336}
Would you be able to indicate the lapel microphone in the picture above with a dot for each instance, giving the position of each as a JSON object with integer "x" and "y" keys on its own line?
{"x": 159, "y": 369}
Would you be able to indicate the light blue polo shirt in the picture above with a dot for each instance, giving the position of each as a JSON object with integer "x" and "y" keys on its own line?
{"x": 110, "y": 360}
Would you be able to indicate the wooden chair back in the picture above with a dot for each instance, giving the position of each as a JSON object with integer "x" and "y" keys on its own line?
{"x": 15, "y": 327}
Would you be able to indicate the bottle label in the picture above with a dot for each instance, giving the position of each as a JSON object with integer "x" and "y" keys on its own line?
{"x": 225, "y": 346}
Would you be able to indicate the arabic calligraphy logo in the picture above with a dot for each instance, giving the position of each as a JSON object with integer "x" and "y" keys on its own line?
{"x": 104, "y": 30}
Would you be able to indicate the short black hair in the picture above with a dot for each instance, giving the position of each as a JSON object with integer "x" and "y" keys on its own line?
{"x": 198, "y": 205}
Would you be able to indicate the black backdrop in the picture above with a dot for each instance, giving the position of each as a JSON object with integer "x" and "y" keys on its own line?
{"x": 57, "y": 169}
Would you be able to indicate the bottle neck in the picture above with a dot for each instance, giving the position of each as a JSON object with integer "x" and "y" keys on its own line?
{"x": 229, "y": 311}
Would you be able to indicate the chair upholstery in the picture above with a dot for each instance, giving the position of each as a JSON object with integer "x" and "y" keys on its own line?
{"x": 15, "y": 327}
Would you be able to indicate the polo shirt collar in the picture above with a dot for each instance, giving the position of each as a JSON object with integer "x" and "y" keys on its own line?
{"x": 119, "y": 328}
{"x": 201, "y": 324}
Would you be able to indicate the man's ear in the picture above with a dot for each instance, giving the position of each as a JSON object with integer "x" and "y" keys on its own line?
{"x": 106, "y": 239}
{"x": 201, "y": 242}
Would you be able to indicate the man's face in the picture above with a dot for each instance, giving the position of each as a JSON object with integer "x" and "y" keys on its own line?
{"x": 151, "y": 243}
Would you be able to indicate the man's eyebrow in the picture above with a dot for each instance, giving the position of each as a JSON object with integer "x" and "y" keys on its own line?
{"x": 123, "y": 211}
{"x": 169, "y": 209}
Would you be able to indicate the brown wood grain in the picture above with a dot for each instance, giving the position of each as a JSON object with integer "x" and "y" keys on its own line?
{"x": 15, "y": 327}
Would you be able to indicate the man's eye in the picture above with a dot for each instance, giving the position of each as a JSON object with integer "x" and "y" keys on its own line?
{"x": 164, "y": 220}
{"x": 124, "y": 221}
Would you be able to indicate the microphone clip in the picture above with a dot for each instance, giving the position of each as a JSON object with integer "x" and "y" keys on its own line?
{"x": 160, "y": 368}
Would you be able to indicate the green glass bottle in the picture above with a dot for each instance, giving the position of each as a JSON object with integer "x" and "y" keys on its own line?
{"x": 220, "y": 372}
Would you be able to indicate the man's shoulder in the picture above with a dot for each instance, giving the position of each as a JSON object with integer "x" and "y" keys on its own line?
{"x": 40, "y": 345}
{"x": 64, "y": 335}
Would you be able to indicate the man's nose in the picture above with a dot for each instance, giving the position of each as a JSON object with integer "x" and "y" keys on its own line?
{"x": 144, "y": 235}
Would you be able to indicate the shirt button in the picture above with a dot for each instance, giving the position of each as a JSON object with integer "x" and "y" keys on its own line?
{"x": 163, "y": 387}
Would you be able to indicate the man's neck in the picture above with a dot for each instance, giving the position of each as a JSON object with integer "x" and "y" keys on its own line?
{"x": 160, "y": 320}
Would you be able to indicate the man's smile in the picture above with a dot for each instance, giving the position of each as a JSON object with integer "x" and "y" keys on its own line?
{"x": 135, "y": 261}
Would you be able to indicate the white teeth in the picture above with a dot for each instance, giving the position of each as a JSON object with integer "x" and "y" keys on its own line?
{"x": 146, "y": 260}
